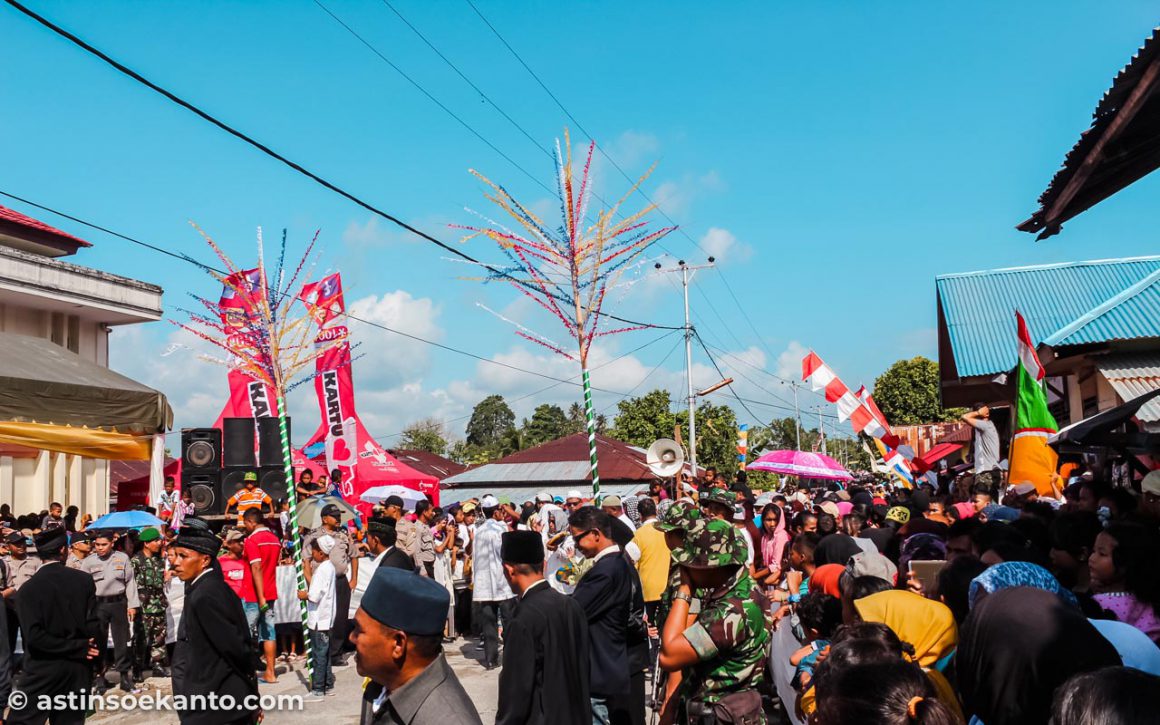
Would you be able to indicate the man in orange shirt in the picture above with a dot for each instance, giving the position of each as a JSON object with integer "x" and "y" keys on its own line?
{"x": 250, "y": 497}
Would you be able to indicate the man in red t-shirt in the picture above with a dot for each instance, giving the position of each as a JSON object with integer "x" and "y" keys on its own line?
{"x": 263, "y": 551}
{"x": 235, "y": 568}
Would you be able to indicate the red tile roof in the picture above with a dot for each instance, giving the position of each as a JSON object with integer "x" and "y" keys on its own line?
{"x": 21, "y": 220}
{"x": 429, "y": 463}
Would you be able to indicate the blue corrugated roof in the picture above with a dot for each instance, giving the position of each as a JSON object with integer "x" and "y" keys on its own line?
{"x": 1130, "y": 315}
{"x": 979, "y": 307}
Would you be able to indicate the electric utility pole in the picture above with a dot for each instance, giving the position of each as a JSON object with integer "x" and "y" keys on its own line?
{"x": 797, "y": 419}
{"x": 687, "y": 273}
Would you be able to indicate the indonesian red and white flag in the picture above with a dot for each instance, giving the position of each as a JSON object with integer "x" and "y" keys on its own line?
{"x": 850, "y": 407}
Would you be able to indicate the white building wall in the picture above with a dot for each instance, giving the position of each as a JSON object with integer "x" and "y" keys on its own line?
{"x": 30, "y": 484}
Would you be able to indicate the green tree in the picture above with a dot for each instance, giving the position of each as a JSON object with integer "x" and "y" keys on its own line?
{"x": 578, "y": 424}
{"x": 908, "y": 393}
{"x": 716, "y": 436}
{"x": 548, "y": 423}
{"x": 469, "y": 454}
{"x": 644, "y": 419}
{"x": 425, "y": 435}
{"x": 491, "y": 422}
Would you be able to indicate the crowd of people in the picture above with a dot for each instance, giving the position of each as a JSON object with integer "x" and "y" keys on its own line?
{"x": 946, "y": 602}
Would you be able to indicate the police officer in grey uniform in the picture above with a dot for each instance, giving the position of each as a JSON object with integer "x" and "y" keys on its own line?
{"x": 19, "y": 567}
{"x": 398, "y": 639}
{"x": 345, "y": 562}
{"x": 117, "y": 604}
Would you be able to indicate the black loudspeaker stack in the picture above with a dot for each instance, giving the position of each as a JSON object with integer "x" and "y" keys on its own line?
{"x": 201, "y": 465}
{"x": 214, "y": 462}
{"x": 241, "y": 455}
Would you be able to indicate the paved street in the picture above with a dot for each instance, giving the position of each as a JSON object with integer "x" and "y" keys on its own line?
{"x": 343, "y": 707}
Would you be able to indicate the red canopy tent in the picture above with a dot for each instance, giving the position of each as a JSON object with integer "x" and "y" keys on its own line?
{"x": 374, "y": 466}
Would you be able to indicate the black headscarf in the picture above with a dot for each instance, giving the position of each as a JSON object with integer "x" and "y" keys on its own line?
{"x": 1016, "y": 648}
{"x": 836, "y": 549}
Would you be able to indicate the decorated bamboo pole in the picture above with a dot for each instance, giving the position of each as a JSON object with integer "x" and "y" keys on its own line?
{"x": 295, "y": 534}
{"x": 254, "y": 325}
{"x": 567, "y": 269}
{"x": 590, "y": 418}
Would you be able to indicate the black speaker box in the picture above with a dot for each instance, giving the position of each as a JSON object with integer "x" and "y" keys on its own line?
{"x": 205, "y": 490}
{"x": 238, "y": 442}
{"x": 201, "y": 449}
{"x": 270, "y": 442}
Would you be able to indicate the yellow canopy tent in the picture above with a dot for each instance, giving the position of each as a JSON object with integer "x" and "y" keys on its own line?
{"x": 53, "y": 399}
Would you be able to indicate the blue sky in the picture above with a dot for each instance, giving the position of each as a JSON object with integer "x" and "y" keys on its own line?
{"x": 835, "y": 156}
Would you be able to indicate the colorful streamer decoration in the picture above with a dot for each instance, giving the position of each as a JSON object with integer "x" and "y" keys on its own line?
{"x": 742, "y": 444}
{"x": 568, "y": 269}
{"x": 256, "y": 326}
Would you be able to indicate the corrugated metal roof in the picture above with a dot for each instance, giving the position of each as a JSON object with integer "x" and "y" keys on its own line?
{"x": 979, "y": 307}
{"x": 519, "y": 494}
{"x": 1130, "y": 315}
{"x": 1131, "y": 375}
{"x": 1129, "y": 154}
{"x": 513, "y": 472}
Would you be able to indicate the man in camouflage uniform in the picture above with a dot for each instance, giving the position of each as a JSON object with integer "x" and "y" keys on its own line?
{"x": 723, "y": 652}
{"x": 681, "y": 518}
{"x": 149, "y": 625}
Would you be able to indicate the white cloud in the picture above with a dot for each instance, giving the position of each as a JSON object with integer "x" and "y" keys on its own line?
{"x": 724, "y": 246}
{"x": 632, "y": 148}
{"x": 789, "y": 362}
{"x": 674, "y": 197}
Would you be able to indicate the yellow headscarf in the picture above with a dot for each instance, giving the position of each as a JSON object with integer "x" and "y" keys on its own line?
{"x": 925, "y": 624}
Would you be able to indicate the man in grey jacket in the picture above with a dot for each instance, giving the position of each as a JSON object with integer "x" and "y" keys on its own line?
{"x": 398, "y": 639}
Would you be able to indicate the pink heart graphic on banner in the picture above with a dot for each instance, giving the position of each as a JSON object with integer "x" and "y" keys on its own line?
{"x": 340, "y": 452}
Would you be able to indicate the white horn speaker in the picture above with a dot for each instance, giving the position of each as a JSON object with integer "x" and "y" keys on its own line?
{"x": 665, "y": 457}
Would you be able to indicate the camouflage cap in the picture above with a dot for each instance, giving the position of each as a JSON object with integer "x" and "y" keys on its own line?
{"x": 722, "y": 496}
{"x": 679, "y": 517}
{"x": 715, "y": 544}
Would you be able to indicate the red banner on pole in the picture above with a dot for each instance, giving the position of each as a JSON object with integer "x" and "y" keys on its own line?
{"x": 240, "y": 300}
{"x": 348, "y": 446}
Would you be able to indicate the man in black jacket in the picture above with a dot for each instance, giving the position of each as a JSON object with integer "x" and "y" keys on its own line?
{"x": 212, "y": 654}
{"x": 381, "y": 538}
{"x": 605, "y": 593}
{"x": 545, "y": 667}
{"x": 58, "y": 618}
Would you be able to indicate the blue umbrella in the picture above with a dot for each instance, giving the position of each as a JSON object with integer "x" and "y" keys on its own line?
{"x": 126, "y": 520}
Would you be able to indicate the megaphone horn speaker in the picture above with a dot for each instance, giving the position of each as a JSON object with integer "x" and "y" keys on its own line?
{"x": 665, "y": 457}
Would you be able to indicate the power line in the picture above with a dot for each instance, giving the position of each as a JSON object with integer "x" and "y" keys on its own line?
{"x": 372, "y": 323}
{"x": 431, "y": 97}
{"x": 545, "y": 389}
{"x": 717, "y": 367}
{"x": 612, "y": 161}
{"x": 120, "y": 67}
{"x": 467, "y": 80}
{"x": 648, "y": 375}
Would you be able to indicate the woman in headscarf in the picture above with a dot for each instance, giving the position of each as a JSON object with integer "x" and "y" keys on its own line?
{"x": 1017, "y": 646}
{"x": 1011, "y": 574}
{"x": 925, "y": 624}
{"x": 774, "y": 538}
{"x": 836, "y": 549}
{"x": 825, "y": 580}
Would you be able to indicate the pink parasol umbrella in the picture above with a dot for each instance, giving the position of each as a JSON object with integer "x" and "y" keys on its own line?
{"x": 802, "y": 464}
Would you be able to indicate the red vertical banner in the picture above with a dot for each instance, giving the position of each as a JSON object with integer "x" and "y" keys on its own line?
{"x": 334, "y": 383}
{"x": 348, "y": 445}
{"x": 240, "y": 300}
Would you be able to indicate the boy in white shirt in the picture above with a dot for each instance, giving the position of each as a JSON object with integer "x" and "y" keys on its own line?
{"x": 320, "y": 605}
